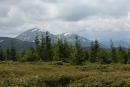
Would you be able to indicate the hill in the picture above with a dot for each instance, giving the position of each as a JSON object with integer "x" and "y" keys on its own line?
{"x": 6, "y": 42}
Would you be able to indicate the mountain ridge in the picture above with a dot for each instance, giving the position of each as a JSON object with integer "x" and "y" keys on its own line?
{"x": 30, "y": 35}
{"x": 7, "y": 42}
{"x": 26, "y": 39}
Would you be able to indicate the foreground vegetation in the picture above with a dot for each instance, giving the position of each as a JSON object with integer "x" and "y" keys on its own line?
{"x": 54, "y": 74}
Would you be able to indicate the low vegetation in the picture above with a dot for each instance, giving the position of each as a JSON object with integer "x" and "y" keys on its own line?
{"x": 48, "y": 74}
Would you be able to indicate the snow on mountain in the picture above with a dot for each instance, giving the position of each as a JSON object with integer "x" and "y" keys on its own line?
{"x": 35, "y": 29}
{"x": 72, "y": 37}
{"x": 66, "y": 34}
{"x": 30, "y": 35}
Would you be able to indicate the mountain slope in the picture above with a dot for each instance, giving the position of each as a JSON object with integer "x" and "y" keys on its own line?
{"x": 6, "y": 42}
{"x": 30, "y": 35}
{"x": 26, "y": 39}
{"x": 117, "y": 43}
{"x": 72, "y": 37}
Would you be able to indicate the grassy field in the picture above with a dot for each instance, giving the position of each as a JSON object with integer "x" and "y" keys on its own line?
{"x": 53, "y": 75}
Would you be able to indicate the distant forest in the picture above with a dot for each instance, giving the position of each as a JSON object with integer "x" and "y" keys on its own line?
{"x": 62, "y": 51}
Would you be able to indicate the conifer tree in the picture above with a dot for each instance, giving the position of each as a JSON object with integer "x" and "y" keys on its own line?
{"x": 42, "y": 48}
{"x": 103, "y": 56}
{"x": 2, "y": 58}
{"x": 61, "y": 51}
{"x": 114, "y": 53}
{"x": 22, "y": 54}
{"x": 122, "y": 55}
{"x": 125, "y": 61}
{"x": 13, "y": 53}
{"x": 30, "y": 55}
{"x": 67, "y": 51}
{"x": 38, "y": 47}
{"x": 93, "y": 54}
{"x": 77, "y": 54}
{"x": 58, "y": 51}
{"x": 8, "y": 57}
{"x": 48, "y": 48}
{"x": 128, "y": 56}
{"x": 95, "y": 48}
{"x": 86, "y": 55}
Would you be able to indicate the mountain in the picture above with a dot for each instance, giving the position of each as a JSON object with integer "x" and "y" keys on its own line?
{"x": 26, "y": 39}
{"x": 6, "y": 42}
{"x": 71, "y": 39}
{"x": 117, "y": 43}
{"x": 30, "y": 35}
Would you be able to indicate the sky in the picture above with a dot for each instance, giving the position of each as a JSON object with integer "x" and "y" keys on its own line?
{"x": 94, "y": 19}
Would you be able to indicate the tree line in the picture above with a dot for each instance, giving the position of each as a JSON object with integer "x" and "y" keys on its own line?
{"x": 45, "y": 50}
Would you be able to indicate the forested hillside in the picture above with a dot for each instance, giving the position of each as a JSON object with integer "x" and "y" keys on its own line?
{"x": 62, "y": 51}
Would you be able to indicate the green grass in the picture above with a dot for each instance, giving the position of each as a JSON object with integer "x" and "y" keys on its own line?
{"x": 48, "y": 74}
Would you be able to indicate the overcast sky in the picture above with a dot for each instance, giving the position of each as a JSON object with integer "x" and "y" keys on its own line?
{"x": 91, "y": 18}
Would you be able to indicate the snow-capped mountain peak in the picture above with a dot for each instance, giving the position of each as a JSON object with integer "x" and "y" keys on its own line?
{"x": 66, "y": 34}
{"x": 31, "y": 34}
{"x": 35, "y": 29}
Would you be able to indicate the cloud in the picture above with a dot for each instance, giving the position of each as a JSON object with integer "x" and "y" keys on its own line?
{"x": 129, "y": 15}
{"x": 72, "y": 10}
{"x": 76, "y": 16}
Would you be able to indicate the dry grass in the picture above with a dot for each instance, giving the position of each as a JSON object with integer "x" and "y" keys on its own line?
{"x": 49, "y": 75}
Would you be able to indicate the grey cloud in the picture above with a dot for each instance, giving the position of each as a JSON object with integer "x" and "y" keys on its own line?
{"x": 63, "y": 15}
{"x": 75, "y": 13}
{"x": 52, "y": 1}
{"x": 77, "y": 10}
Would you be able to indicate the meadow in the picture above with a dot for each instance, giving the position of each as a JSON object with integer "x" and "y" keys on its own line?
{"x": 56, "y": 74}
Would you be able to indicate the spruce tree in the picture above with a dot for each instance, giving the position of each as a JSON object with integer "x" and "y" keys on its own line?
{"x": 95, "y": 49}
{"x": 22, "y": 54}
{"x": 13, "y": 54}
{"x": 38, "y": 47}
{"x": 42, "y": 48}
{"x": 8, "y": 54}
{"x": 58, "y": 51}
{"x": 128, "y": 56}
{"x": 2, "y": 58}
{"x": 92, "y": 58}
{"x": 62, "y": 51}
{"x": 114, "y": 53}
{"x": 86, "y": 54}
{"x": 122, "y": 55}
{"x": 77, "y": 54}
{"x": 103, "y": 57}
{"x": 66, "y": 51}
{"x": 125, "y": 58}
{"x": 30, "y": 55}
{"x": 48, "y": 48}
